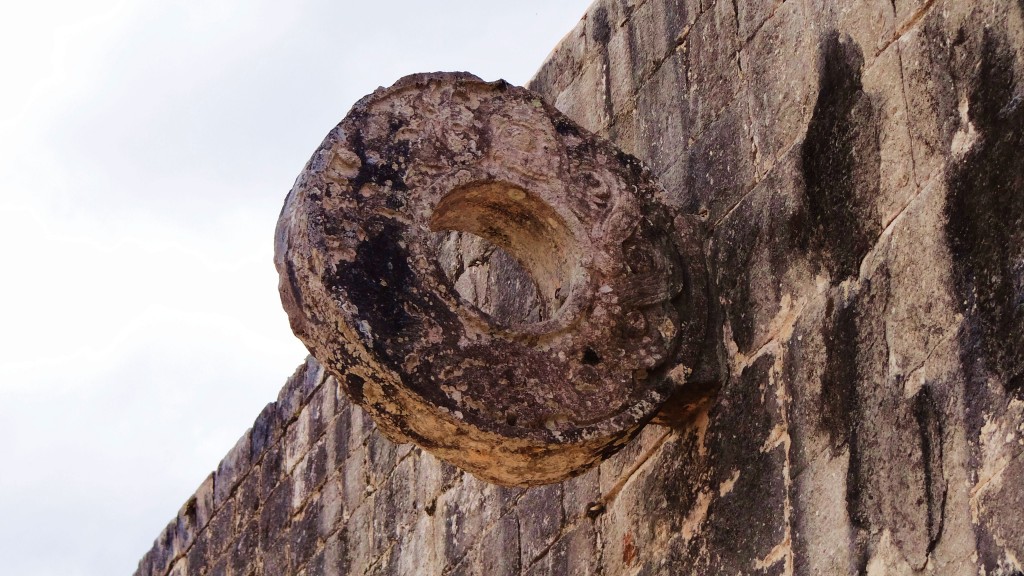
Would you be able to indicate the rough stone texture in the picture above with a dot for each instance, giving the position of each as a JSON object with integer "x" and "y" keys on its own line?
{"x": 613, "y": 282}
{"x": 859, "y": 164}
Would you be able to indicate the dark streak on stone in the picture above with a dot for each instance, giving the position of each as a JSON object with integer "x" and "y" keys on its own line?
{"x": 293, "y": 282}
{"x": 985, "y": 230}
{"x": 262, "y": 431}
{"x": 383, "y": 175}
{"x": 746, "y": 523}
{"x": 840, "y": 161}
{"x": 602, "y": 31}
{"x": 190, "y": 509}
{"x": 839, "y": 409}
{"x": 376, "y": 281}
{"x": 354, "y": 388}
{"x": 985, "y": 224}
{"x": 634, "y": 51}
{"x": 930, "y": 428}
{"x": 841, "y": 412}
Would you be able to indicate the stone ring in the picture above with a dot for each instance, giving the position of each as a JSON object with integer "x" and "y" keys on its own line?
{"x": 594, "y": 304}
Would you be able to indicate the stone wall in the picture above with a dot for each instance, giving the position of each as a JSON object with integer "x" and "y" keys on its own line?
{"x": 859, "y": 166}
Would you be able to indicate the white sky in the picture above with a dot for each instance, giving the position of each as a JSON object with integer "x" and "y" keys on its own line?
{"x": 145, "y": 151}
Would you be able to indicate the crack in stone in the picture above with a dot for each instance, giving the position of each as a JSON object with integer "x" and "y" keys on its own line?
{"x": 907, "y": 25}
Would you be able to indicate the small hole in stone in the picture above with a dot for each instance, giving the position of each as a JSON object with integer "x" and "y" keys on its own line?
{"x": 590, "y": 357}
{"x": 511, "y": 420}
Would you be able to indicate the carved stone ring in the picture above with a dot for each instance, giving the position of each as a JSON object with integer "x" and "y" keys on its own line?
{"x": 514, "y": 398}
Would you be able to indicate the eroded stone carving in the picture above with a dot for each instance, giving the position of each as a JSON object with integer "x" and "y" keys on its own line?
{"x": 617, "y": 278}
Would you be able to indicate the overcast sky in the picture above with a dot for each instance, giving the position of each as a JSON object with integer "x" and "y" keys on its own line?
{"x": 145, "y": 151}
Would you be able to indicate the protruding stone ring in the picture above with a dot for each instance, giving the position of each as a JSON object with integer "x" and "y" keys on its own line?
{"x": 512, "y": 399}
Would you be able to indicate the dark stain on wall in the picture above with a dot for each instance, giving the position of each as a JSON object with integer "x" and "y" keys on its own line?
{"x": 839, "y": 408}
{"x": 735, "y": 252}
{"x": 354, "y": 387}
{"x": 928, "y": 418}
{"x": 601, "y": 31}
{"x": 671, "y": 491}
{"x": 749, "y": 520}
{"x": 752, "y": 249}
{"x": 985, "y": 234}
{"x": 840, "y": 161}
{"x": 841, "y": 412}
{"x": 985, "y": 222}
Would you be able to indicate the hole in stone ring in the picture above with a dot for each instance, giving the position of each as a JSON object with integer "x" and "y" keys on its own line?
{"x": 525, "y": 257}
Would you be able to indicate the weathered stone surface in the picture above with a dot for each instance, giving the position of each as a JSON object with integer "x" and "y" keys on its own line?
{"x": 514, "y": 400}
{"x": 867, "y": 262}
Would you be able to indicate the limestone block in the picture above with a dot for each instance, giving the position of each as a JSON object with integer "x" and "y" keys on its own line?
{"x": 883, "y": 83}
{"x": 562, "y": 65}
{"x": 244, "y": 552}
{"x": 497, "y": 552}
{"x": 713, "y": 75}
{"x": 338, "y": 435}
{"x": 247, "y": 499}
{"x": 663, "y": 113}
{"x": 719, "y": 165}
{"x": 231, "y": 470}
{"x": 540, "y": 518}
{"x": 585, "y": 99}
{"x": 780, "y": 97}
{"x": 199, "y": 553}
{"x": 271, "y": 470}
{"x": 265, "y": 432}
{"x": 222, "y": 528}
